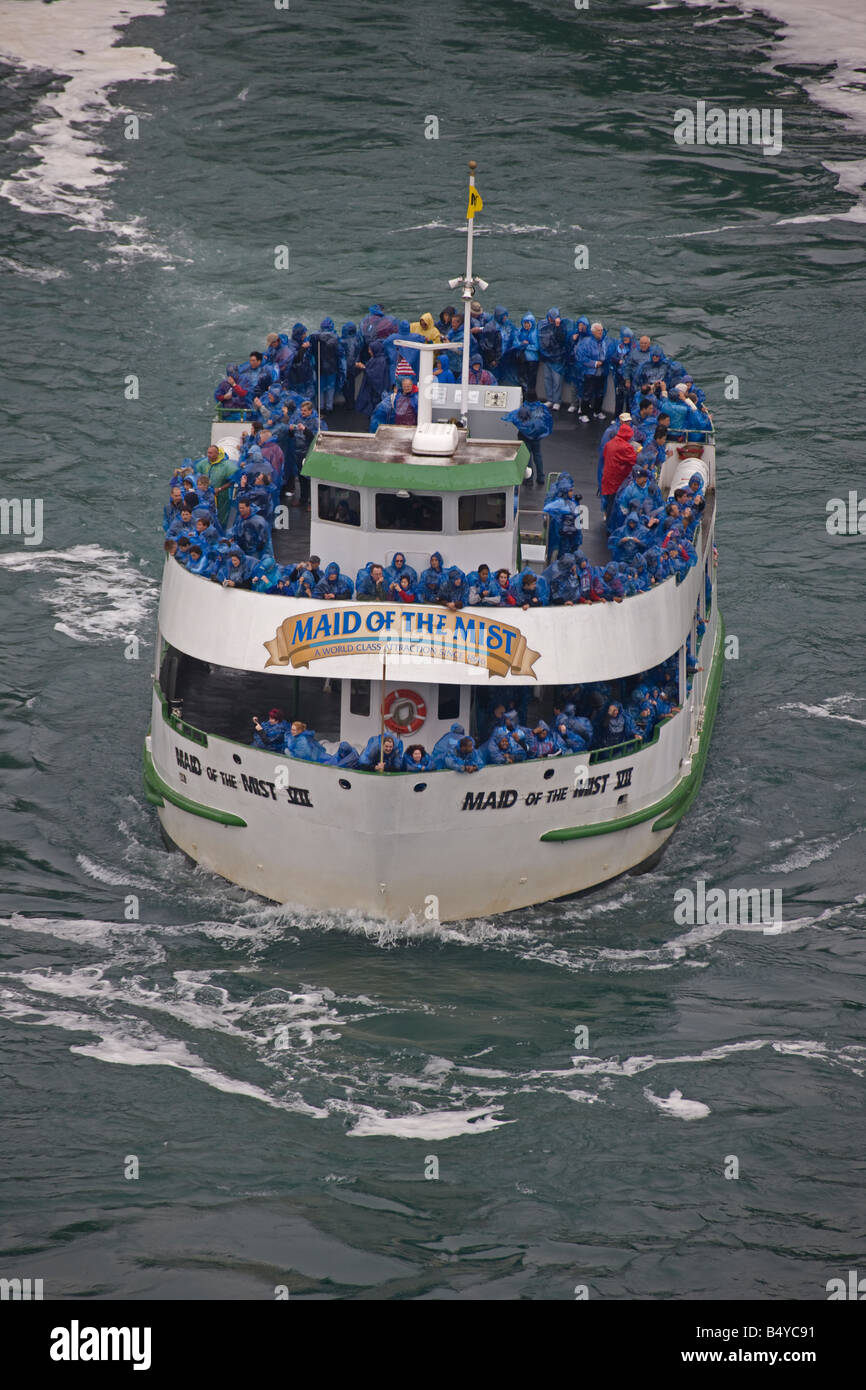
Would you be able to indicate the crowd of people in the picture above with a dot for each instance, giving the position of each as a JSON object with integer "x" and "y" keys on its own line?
{"x": 601, "y": 715}
{"x": 365, "y": 366}
{"x": 650, "y": 539}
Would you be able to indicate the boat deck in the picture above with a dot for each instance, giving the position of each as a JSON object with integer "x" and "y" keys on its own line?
{"x": 572, "y": 448}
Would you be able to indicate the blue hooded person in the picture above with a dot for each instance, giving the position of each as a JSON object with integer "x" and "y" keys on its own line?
{"x": 350, "y": 344}
{"x": 533, "y": 422}
{"x": 271, "y": 733}
{"x": 526, "y": 354}
{"x": 333, "y": 584}
{"x": 382, "y": 754}
{"x": 464, "y": 757}
{"x": 398, "y": 567}
{"x": 325, "y": 352}
{"x": 346, "y": 756}
{"x": 443, "y": 746}
{"x": 554, "y": 335}
{"x": 376, "y": 379}
{"x": 574, "y": 361}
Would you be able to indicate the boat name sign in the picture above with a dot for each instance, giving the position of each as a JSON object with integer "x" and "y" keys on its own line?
{"x": 413, "y": 633}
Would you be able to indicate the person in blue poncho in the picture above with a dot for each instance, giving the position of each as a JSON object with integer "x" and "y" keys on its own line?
{"x": 333, "y": 584}
{"x": 300, "y": 374}
{"x": 264, "y": 576}
{"x": 593, "y": 358}
{"x": 508, "y": 364}
{"x": 615, "y": 726}
{"x": 325, "y": 353}
{"x": 554, "y": 335}
{"x": 435, "y": 567}
{"x": 350, "y": 347}
{"x": 376, "y": 379}
{"x": 251, "y": 532}
{"x": 501, "y": 747}
{"x": 416, "y": 759}
{"x": 482, "y": 589}
{"x": 652, "y": 371}
{"x": 562, "y": 581}
{"x": 302, "y": 743}
{"x": 526, "y": 354}
{"x": 620, "y": 361}
{"x": 199, "y": 560}
{"x": 376, "y": 324}
{"x": 574, "y": 366}
{"x": 382, "y": 754}
{"x": 529, "y": 589}
{"x": 640, "y": 354}
{"x": 445, "y": 745}
{"x": 271, "y": 733}
{"x": 398, "y": 567}
{"x": 370, "y": 586}
{"x": 345, "y": 756}
{"x": 235, "y": 572}
{"x": 465, "y": 757}
{"x": 568, "y": 533}
{"x": 453, "y": 588}
{"x": 533, "y": 423}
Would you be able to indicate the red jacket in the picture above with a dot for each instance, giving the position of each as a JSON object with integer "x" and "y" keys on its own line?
{"x": 619, "y": 457}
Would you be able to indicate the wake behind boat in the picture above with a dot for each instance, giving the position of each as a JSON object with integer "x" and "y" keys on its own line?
{"x": 488, "y": 693}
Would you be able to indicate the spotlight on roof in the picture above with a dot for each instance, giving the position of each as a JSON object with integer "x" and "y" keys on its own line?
{"x": 403, "y": 493}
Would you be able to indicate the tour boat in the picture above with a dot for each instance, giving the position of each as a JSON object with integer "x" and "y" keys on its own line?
{"x": 438, "y": 845}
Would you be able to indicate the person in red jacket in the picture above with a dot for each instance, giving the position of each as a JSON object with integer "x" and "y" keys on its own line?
{"x": 619, "y": 457}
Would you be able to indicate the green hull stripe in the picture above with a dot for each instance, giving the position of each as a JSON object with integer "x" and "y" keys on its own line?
{"x": 672, "y": 807}
{"x": 158, "y": 792}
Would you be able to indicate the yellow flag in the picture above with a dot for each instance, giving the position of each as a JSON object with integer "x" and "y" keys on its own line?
{"x": 475, "y": 203}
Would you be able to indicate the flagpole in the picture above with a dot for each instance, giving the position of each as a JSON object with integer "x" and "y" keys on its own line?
{"x": 467, "y": 299}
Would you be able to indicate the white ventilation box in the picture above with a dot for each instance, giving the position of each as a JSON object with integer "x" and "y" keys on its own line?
{"x": 435, "y": 437}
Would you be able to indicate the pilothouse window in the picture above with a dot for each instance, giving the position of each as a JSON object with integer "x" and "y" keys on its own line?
{"x": 339, "y": 504}
{"x": 395, "y": 513}
{"x": 482, "y": 512}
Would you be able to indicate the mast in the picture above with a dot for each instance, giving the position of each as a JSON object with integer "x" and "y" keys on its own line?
{"x": 468, "y": 292}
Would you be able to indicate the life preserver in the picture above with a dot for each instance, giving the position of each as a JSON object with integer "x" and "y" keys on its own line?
{"x": 411, "y": 697}
{"x": 690, "y": 451}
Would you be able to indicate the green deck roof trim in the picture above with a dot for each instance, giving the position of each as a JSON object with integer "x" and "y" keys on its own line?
{"x": 671, "y": 808}
{"x": 420, "y": 477}
{"x": 158, "y": 792}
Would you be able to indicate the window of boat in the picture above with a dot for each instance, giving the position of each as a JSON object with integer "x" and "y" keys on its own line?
{"x": 483, "y": 511}
{"x": 411, "y": 513}
{"x": 339, "y": 504}
{"x": 359, "y": 698}
{"x": 449, "y": 702}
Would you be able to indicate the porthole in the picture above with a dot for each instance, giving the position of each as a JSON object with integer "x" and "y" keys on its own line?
{"x": 420, "y": 787}
{"x": 347, "y": 786}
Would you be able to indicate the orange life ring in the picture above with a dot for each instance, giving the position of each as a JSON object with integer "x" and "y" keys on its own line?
{"x": 690, "y": 451}
{"x": 418, "y": 705}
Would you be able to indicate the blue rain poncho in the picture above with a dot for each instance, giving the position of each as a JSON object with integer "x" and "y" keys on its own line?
{"x": 536, "y": 596}
{"x": 333, "y": 584}
{"x": 532, "y": 419}
{"x": 443, "y": 746}
{"x": 455, "y": 761}
{"x": 346, "y": 756}
{"x": 527, "y": 339}
{"x": 482, "y": 590}
{"x": 373, "y": 754}
{"x": 398, "y": 567}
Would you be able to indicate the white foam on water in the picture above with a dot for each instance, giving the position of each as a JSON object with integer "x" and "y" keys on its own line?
{"x": 78, "y": 40}
{"x": 810, "y": 853}
{"x": 32, "y": 272}
{"x": 822, "y": 711}
{"x": 677, "y": 1107}
{"x": 99, "y": 595}
{"x": 434, "y": 1124}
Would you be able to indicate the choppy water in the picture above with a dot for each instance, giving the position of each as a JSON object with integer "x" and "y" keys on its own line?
{"x": 285, "y": 1080}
